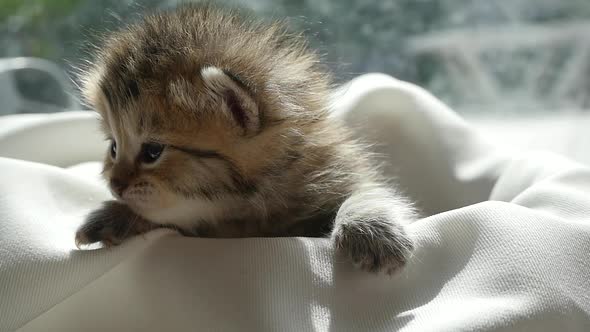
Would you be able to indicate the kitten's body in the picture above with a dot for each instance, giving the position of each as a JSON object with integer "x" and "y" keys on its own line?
{"x": 240, "y": 109}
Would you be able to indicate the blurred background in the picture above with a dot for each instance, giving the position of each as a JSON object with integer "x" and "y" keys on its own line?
{"x": 519, "y": 69}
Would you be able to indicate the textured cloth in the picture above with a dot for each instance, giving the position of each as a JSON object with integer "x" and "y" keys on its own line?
{"x": 503, "y": 245}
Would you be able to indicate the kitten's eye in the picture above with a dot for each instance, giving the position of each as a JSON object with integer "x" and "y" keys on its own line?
{"x": 113, "y": 149}
{"x": 150, "y": 152}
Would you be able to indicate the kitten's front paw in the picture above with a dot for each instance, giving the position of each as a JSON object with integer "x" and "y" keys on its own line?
{"x": 373, "y": 245}
{"x": 111, "y": 224}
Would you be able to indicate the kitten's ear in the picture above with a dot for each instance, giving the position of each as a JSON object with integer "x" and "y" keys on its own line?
{"x": 236, "y": 101}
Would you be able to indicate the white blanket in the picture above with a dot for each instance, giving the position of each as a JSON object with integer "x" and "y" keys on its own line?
{"x": 504, "y": 243}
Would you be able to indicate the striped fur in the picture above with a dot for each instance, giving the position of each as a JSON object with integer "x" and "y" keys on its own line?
{"x": 241, "y": 107}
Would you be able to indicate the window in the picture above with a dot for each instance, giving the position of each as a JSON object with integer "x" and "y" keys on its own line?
{"x": 480, "y": 56}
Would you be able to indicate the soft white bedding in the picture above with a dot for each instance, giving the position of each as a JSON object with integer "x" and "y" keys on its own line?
{"x": 504, "y": 244}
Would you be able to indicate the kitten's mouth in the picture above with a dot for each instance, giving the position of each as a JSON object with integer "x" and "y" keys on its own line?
{"x": 139, "y": 199}
{"x": 140, "y": 194}
{"x": 135, "y": 200}
{"x": 130, "y": 200}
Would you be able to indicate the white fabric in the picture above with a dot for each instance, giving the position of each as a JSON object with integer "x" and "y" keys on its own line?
{"x": 517, "y": 263}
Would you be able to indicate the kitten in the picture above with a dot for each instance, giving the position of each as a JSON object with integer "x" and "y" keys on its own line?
{"x": 219, "y": 127}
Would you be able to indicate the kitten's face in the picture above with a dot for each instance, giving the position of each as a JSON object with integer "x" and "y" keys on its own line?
{"x": 204, "y": 111}
{"x": 174, "y": 164}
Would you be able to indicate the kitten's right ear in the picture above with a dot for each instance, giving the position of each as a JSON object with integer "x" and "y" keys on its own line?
{"x": 234, "y": 99}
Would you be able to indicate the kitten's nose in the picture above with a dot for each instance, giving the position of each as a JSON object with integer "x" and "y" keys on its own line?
{"x": 119, "y": 185}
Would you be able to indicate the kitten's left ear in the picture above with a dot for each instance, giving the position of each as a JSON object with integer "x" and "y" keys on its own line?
{"x": 236, "y": 101}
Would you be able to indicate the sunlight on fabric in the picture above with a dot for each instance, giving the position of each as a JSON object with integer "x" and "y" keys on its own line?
{"x": 320, "y": 317}
{"x": 323, "y": 276}
{"x": 321, "y": 269}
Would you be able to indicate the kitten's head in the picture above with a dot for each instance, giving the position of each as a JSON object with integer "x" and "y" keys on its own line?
{"x": 195, "y": 129}
{"x": 166, "y": 152}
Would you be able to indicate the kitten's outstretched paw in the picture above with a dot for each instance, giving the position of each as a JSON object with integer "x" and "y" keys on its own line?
{"x": 111, "y": 224}
{"x": 373, "y": 245}
{"x": 93, "y": 232}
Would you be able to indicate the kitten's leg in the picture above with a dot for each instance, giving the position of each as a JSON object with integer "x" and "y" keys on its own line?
{"x": 369, "y": 229}
{"x": 111, "y": 224}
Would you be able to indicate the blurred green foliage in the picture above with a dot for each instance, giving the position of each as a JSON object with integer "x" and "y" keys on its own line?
{"x": 39, "y": 9}
{"x": 33, "y": 22}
